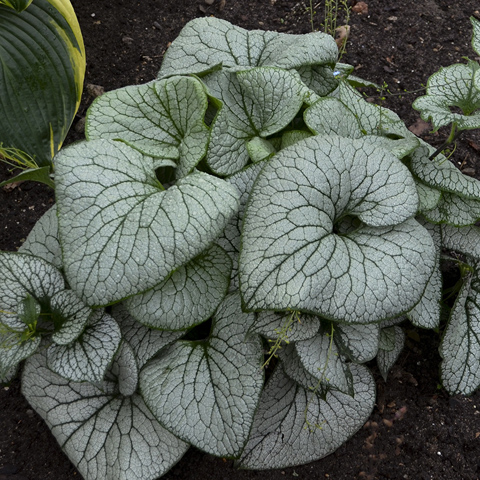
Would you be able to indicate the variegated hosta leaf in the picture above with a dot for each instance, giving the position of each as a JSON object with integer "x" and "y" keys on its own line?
{"x": 292, "y": 256}
{"x": 321, "y": 359}
{"x": 454, "y": 210}
{"x": 205, "y": 44}
{"x": 105, "y": 434}
{"x": 24, "y": 275}
{"x": 87, "y": 358}
{"x": 329, "y": 116}
{"x": 357, "y": 342}
{"x": 145, "y": 342}
{"x": 230, "y": 238}
{"x": 290, "y": 326}
{"x": 42, "y": 241}
{"x": 256, "y": 103}
{"x": 460, "y": 347}
{"x": 392, "y": 340}
{"x": 69, "y": 315}
{"x": 451, "y": 86}
{"x": 188, "y": 297}
{"x": 280, "y": 434}
{"x": 162, "y": 118}
{"x": 206, "y": 392}
{"x": 442, "y": 174}
{"x": 121, "y": 232}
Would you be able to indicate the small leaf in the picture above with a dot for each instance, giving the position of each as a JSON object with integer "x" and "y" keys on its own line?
{"x": 259, "y": 149}
{"x": 42, "y": 241}
{"x": 465, "y": 240}
{"x": 451, "y": 86}
{"x": 387, "y": 357}
{"x": 320, "y": 78}
{"x": 105, "y": 434}
{"x": 460, "y": 347}
{"x": 87, "y": 358}
{"x": 280, "y": 436}
{"x": 358, "y": 342}
{"x": 161, "y": 119}
{"x": 206, "y": 392}
{"x": 476, "y": 34}
{"x": 454, "y": 210}
{"x": 293, "y": 136}
{"x": 188, "y": 297}
{"x": 13, "y": 349}
{"x": 120, "y": 231}
{"x": 428, "y": 197}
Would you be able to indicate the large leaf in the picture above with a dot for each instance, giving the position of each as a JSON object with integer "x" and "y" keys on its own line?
{"x": 208, "y": 43}
{"x": 460, "y": 347}
{"x": 206, "y": 392}
{"x": 281, "y": 436}
{"x": 295, "y": 254}
{"x": 42, "y": 65}
{"x": 105, "y": 434}
{"x": 161, "y": 118}
{"x": 22, "y": 276}
{"x": 120, "y": 231}
{"x": 87, "y": 358}
{"x": 451, "y": 86}
{"x": 256, "y": 103}
{"x": 188, "y": 297}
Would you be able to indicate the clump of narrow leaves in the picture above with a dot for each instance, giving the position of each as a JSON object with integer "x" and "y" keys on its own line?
{"x": 246, "y": 208}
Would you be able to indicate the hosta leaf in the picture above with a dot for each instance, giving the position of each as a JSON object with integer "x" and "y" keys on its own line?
{"x": 329, "y": 116}
{"x": 208, "y": 43}
{"x": 387, "y": 357}
{"x": 290, "y": 325}
{"x": 442, "y": 174}
{"x": 454, "y": 210}
{"x": 87, "y": 358}
{"x": 460, "y": 347}
{"x": 105, "y": 435}
{"x": 41, "y": 174}
{"x": 451, "y": 86}
{"x": 25, "y": 275}
{"x": 18, "y": 5}
{"x": 121, "y": 233}
{"x": 320, "y": 357}
{"x": 293, "y": 258}
{"x": 206, "y": 392}
{"x": 13, "y": 349}
{"x": 358, "y": 342}
{"x": 145, "y": 342}
{"x": 188, "y": 297}
{"x": 70, "y": 316}
{"x": 42, "y": 241}
{"x": 161, "y": 118}
{"x": 42, "y": 65}
{"x": 256, "y": 103}
{"x": 279, "y": 437}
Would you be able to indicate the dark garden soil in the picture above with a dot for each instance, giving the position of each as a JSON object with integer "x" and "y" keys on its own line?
{"x": 416, "y": 430}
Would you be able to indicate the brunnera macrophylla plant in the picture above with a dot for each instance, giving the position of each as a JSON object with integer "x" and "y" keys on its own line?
{"x": 246, "y": 208}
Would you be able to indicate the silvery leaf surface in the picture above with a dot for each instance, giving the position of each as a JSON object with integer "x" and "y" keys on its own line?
{"x": 145, "y": 342}
{"x": 229, "y": 240}
{"x": 256, "y": 103}
{"x": 330, "y": 116}
{"x": 125, "y": 370}
{"x": 294, "y": 326}
{"x": 321, "y": 358}
{"x": 161, "y": 118}
{"x": 428, "y": 197}
{"x": 460, "y": 347}
{"x": 10, "y": 375}
{"x": 400, "y": 147}
{"x": 206, "y": 392}
{"x": 13, "y": 349}
{"x": 357, "y": 342}
{"x": 42, "y": 241}
{"x": 387, "y": 339}
{"x": 320, "y": 78}
{"x": 208, "y": 43}
{"x": 87, "y": 358}
{"x": 454, "y": 210}
{"x": 105, "y": 435}
{"x": 442, "y": 174}
{"x": 188, "y": 297}
{"x": 70, "y": 316}
{"x": 293, "y": 136}
{"x": 25, "y": 275}
{"x": 462, "y": 239}
{"x": 279, "y": 437}
{"x": 291, "y": 256}
{"x": 451, "y": 86}
{"x": 259, "y": 149}
{"x": 121, "y": 232}
{"x": 386, "y": 358}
